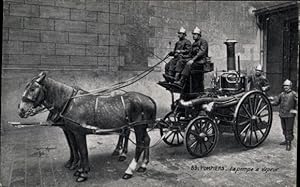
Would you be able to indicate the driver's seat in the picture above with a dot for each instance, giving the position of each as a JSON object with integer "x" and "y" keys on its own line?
{"x": 195, "y": 83}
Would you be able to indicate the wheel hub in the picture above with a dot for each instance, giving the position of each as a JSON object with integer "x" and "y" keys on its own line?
{"x": 255, "y": 119}
{"x": 203, "y": 136}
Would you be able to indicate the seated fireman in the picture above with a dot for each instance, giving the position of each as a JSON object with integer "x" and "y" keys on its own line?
{"x": 181, "y": 54}
{"x": 258, "y": 81}
{"x": 198, "y": 56}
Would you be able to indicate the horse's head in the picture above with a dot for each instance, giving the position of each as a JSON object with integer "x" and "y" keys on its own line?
{"x": 32, "y": 97}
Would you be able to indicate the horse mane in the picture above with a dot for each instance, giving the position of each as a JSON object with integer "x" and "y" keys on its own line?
{"x": 57, "y": 93}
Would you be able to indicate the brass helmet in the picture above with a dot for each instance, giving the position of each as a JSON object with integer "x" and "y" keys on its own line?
{"x": 259, "y": 68}
{"x": 287, "y": 82}
{"x": 182, "y": 30}
{"x": 196, "y": 31}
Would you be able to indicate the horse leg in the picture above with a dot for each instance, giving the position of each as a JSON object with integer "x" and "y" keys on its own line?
{"x": 145, "y": 161}
{"x": 119, "y": 147}
{"x": 82, "y": 172}
{"x": 123, "y": 155}
{"x": 72, "y": 163}
{"x": 139, "y": 134}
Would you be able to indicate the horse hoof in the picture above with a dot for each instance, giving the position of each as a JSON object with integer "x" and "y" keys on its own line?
{"x": 122, "y": 158}
{"x": 68, "y": 164}
{"x": 115, "y": 153}
{"x": 141, "y": 169}
{"x": 77, "y": 173}
{"x": 126, "y": 176}
{"x": 81, "y": 179}
{"x": 82, "y": 176}
{"x": 74, "y": 166}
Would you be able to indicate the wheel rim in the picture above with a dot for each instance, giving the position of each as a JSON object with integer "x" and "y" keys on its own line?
{"x": 253, "y": 119}
{"x": 201, "y": 136}
{"x": 173, "y": 135}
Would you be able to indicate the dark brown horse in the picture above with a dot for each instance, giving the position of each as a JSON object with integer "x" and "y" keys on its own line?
{"x": 83, "y": 115}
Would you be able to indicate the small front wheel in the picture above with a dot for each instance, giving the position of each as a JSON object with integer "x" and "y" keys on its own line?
{"x": 201, "y": 136}
{"x": 173, "y": 132}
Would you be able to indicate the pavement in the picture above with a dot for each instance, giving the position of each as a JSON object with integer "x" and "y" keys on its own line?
{"x": 35, "y": 157}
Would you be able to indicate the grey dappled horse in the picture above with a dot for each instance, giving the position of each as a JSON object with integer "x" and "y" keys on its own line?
{"x": 80, "y": 116}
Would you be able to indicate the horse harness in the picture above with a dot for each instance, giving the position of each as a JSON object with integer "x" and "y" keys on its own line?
{"x": 55, "y": 115}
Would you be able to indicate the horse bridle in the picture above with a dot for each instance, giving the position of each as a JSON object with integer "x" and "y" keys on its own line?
{"x": 38, "y": 100}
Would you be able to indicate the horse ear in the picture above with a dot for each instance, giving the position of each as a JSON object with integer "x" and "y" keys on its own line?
{"x": 41, "y": 77}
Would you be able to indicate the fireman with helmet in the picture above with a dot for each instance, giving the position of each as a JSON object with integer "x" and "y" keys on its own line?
{"x": 198, "y": 56}
{"x": 180, "y": 53}
{"x": 288, "y": 101}
{"x": 258, "y": 81}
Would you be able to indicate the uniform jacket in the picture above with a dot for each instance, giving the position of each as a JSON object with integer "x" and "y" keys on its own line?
{"x": 287, "y": 101}
{"x": 184, "y": 46}
{"x": 199, "y": 50}
{"x": 259, "y": 82}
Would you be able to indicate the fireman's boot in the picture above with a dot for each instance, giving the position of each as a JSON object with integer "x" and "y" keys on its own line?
{"x": 288, "y": 145}
{"x": 180, "y": 83}
{"x": 177, "y": 76}
{"x": 169, "y": 76}
{"x": 283, "y": 143}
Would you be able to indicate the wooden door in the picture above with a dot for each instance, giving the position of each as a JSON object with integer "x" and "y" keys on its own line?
{"x": 275, "y": 57}
{"x": 291, "y": 42}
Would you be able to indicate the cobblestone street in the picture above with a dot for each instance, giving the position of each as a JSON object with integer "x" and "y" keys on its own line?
{"x": 35, "y": 157}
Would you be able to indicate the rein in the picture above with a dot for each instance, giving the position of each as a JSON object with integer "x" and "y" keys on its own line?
{"x": 123, "y": 84}
{"x": 117, "y": 86}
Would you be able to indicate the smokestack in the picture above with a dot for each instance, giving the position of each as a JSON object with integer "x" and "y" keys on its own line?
{"x": 230, "y": 54}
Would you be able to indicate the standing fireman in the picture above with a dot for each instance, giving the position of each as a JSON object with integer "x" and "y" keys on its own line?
{"x": 198, "y": 56}
{"x": 180, "y": 53}
{"x": 287, "y": 100}
{"x": 258, "y": 81}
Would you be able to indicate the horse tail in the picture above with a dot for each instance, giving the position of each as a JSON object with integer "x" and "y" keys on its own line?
{"x": 149, "y": 106}
{"x": 154, "y": 108}
{"x": 144, "y": 104}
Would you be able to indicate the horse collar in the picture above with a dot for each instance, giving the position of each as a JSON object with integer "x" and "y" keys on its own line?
{"x": 74, "y": 92}
{"x": 54, "y": 114}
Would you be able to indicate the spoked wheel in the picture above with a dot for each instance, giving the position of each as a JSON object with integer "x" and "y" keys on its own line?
{"x": 253, "y": 119}
{"x": 201, "y": 136}
{"x": 173, "y": 132}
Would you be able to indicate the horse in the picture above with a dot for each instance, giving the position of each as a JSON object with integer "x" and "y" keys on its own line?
{"x": 81, "y": 115}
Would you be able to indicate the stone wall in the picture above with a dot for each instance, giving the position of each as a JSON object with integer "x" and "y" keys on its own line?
{"x": 94, "y": 43}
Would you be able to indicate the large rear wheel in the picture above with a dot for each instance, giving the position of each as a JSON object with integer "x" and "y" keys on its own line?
{"x": 253, "y": 119}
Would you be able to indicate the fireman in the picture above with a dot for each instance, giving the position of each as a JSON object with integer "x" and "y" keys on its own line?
{"x": 180, "y": 53}
{"x": 198, "y": 57}
{"x": 287, "y": 100}
{"x": 258, "y": 80}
